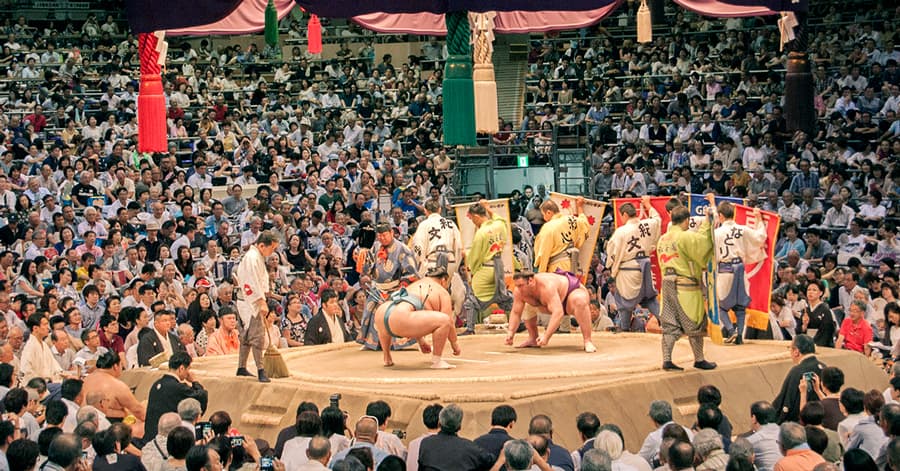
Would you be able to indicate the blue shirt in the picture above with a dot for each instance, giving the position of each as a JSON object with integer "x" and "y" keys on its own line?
{"x": 377, "y": 453}
{"x": 801, "y": 182}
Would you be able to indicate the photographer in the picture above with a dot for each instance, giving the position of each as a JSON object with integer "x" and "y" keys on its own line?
{"x": 807, "y": 367}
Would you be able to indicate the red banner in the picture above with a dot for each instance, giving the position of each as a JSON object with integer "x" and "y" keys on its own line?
{"x": 761, "y": 267}
{"x": 659, "y": 204}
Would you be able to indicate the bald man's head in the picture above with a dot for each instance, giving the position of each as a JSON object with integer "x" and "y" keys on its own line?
{"x": 367, "y": 430}
{"x": 168, "y": 422}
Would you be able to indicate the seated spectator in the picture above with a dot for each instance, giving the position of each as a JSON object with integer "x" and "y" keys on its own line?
{"x": 224, "y": 341}
{"x": 797, "y": 455}
{"x": 811, "y": 417}
{"x": 787, "y": 403}
{"x": 764, "y": 438}
{"x": 853, "y": 403}
{"x": 366, "y": 434}
{"x": 661, "y": 416}
{"x": 868, "y": 434}
{"x": 153, "y": 454}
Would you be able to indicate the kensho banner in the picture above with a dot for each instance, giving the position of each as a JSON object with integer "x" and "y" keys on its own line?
{"x": 467, "y": 229}
{"x": 760, "y": 269}
{"x": 593, "y": 210}
{"x": 659, "y": 204}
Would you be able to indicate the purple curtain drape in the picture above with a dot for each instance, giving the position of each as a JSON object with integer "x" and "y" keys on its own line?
{"x": 248, "y": 17}
{"x": 183, "y": 15}
{"x": 510, "y": 22}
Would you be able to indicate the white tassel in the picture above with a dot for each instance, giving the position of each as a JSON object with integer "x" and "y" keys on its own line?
{"x": 786, "y": 25}
{"x": 162, "y": 47}
{"x": 644, "y": 23}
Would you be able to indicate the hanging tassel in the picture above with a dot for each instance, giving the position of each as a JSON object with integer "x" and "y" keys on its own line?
{"x": 271, "y": 31}
{"x": 152, "y": 133}
{"x": 486, "y": 114}
{"x": 644, "y": 23}
{"x": 459, "y": 91}
{"x": 314, "y": 35}
{"x": 786, "y": 25}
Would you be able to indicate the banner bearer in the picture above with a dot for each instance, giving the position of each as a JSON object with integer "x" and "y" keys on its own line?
{"x": 628, "y": 260}
{"x": 735, "y": 244}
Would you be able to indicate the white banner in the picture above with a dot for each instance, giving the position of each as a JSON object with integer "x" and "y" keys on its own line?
{"x": 500, "y": 207}
{"x": 593, "y": 210}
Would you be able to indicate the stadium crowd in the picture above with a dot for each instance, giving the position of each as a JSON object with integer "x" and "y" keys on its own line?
{"x": 110, "y": 257}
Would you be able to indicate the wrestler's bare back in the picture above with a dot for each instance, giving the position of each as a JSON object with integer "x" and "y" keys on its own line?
{"x": 541, "y": 296}
{"x": 434, "y": 296}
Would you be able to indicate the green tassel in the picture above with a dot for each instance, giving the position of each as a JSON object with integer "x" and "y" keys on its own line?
{"x": 271, "y": 24}
{"x": 459, "y": 102}
{"x": 459, "y": 89}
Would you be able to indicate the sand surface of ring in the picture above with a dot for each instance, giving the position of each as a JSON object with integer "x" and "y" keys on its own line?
{"x": 618, "y": 382}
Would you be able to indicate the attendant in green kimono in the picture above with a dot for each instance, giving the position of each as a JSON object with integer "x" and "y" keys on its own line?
{"x": 683, "y": 254}
{"x": 484, "y": 261}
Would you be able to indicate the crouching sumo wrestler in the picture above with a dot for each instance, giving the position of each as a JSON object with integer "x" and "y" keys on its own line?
{"x": 420, "y": 309}
{"x": 558, "y": 293}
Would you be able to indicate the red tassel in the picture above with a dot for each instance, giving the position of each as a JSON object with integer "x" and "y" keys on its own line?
{"x": 314, "y": 35}
{"x": 152, "y": 115}
{"x": 152, "y": 136}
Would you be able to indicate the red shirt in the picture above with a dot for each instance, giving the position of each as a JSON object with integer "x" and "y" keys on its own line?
{"x": 115, "y": 345}
{"x": 38, "y": 120}
{"x": 856, "y": 334}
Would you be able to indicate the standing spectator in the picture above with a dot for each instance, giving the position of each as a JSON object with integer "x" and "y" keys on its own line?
{"x": 803, "y": 354}
{"x": 430, "y": 417}
{"x": 446, "y": 447}
{"x": 168, "y": 391}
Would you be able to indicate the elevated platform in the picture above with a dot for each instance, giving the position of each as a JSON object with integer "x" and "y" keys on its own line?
{"x": 618, "y": 383}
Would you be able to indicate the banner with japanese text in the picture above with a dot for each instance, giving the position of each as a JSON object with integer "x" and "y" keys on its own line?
{"x": 467, "y": 229}
{"x": 659, "y": 204}
{"x": 593, "y": 210}
{"x": 760, "y": 269}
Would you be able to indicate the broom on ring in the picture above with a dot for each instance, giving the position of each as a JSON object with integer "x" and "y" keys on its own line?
{"x": 273, "y": 362}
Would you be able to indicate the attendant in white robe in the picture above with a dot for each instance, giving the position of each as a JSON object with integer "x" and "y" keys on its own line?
{"x": 252, "y": 305}
{"x": 628, "y": 258}
{"x": 736, "y": 245}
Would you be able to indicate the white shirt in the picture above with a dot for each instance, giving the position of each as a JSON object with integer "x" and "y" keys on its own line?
{"x": 412, "y": 454}
{"x": 846, "y": 426}
{"x": 337, "y": 336}
{"x": 37, "y": 361}
{"x": 294, "y": 453}
{"x": 650, "y": 448}
{"x": 71, "y": 421}
{"x": 389, "y": 442}
{"x": 164, "y": 340}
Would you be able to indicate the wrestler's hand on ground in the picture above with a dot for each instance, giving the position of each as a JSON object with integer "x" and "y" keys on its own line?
{"x": 509, "y": 338}
{"x": 541, "y": 341}
{"x": 456, "y": 349}
{"x": 424, "y": 346}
